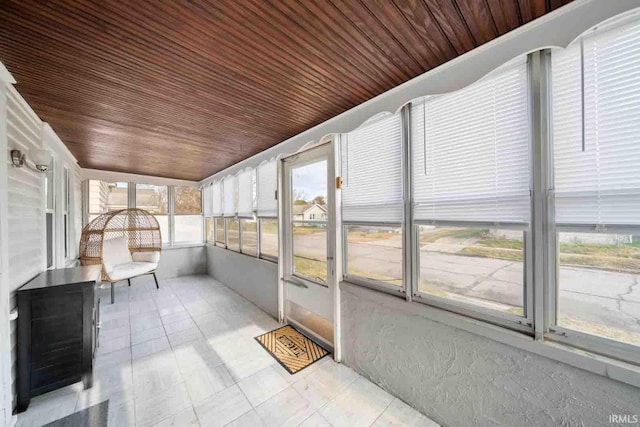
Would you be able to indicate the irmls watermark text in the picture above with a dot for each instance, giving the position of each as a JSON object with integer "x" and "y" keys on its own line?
{"x": 624, "y": 419}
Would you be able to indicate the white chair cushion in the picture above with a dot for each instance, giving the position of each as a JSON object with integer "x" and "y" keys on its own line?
{"x": 131, "y": 269}
{"x": 153, "y": 256}
{"x": 114, "y": 252}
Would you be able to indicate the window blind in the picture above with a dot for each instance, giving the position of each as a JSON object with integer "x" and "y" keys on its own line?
{"x": 372, "y": 172}
{"x": 470, "y": 150}
{"x": 229, "y": 189}
{"x": 596, "y": 127}
{"x": 207, "y": 201}
{"x": 217, "y": 205}
{"x": 267, "y": 185}
{"x": 245, "y": 193}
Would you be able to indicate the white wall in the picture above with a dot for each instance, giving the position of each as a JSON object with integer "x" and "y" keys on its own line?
{"x": 462, "y": 379}
{"x": 182, "y": 261}
{"x": 22, "y": 212}
{"x": 253, "y": 278}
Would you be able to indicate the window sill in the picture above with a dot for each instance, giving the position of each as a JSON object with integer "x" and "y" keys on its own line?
{"x": 595, "y": 363}
{"x": 182, "y": 246}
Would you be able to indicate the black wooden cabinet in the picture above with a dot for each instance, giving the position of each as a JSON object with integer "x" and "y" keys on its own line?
{"x": 57, "y": 331}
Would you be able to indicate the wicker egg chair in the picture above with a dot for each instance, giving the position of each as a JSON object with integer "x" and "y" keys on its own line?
{"x": 127, "y": 243}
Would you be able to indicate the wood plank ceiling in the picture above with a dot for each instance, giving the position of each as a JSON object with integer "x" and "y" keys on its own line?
{"x": 184, "y": 89}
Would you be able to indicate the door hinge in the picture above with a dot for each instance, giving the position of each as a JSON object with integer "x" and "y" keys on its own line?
{"x": 338, "y": 182}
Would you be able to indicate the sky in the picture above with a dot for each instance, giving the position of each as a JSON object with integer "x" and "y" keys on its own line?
{"x": 311, "y": 180}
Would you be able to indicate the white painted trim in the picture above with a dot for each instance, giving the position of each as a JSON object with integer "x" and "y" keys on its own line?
{"x": 556, "y": 29}
{"x": 52, "y": 141}
{"x": 112, "y": 176}
{"x": 5, "y": 75}
{"x": 597, "y": 364}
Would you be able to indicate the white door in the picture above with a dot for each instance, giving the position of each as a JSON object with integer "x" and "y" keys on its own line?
{"x": 308, "y": 260}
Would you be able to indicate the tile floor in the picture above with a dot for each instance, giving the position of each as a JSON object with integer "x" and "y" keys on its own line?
{"x": 185, "y": 355}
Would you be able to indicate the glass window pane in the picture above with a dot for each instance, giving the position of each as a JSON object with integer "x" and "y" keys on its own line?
{"x": 479, "y": 266}
{"x": 163, "y": 222}
{"x": 233, "y": 234}
{"x": 152, "y": 198}
{"x": 188, "y": 201}
{"x": 375, "y": 253}
{"x": 209, "y": 230}
{"x": 117, "y": 196}
{"x": 220, "y": 239}
{"x": 310, "y": 251}
{"x": 269, "y": 237}
{"x": 597, "y": 275}
{"x": 188, "y": 228}
{"x": 50, "y": 189}
{"x": 98, "y": 194}
{"x": 249, "y": 236}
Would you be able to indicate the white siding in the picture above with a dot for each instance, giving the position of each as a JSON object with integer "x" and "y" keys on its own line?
{"x": 25, "y": 206}
{"x": 76, "y": 186}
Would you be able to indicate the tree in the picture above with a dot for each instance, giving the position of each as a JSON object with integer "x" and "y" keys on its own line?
{"x": 299, "y": 197}
{"x": 319, "y": 200}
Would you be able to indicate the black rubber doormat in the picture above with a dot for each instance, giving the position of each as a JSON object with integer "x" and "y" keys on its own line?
{"x": 93, "y": 416}
{"x": 291, "y": 349}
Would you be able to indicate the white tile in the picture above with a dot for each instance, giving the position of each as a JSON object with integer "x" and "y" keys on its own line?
{"x": 293, "y": 378}
{"x": 333, "y": 376}
{"x": 286, "y": 408}
{"x": 196, "y": 355}
{"x": 113, "y": 359}
{"x": 121, "y": 414}
{"x": 250, "y": 419}
{"x": 186, "y": 336}
{"x": 115, "y": 332}
{"x": 223, "y": 407}
{"x": 175, "y": 317}
{"x": 145, "y": 321}
{"x": 143, "y": 306}
{"x": 155, "y": 374}
{"x": 204, "y": 383}
{"x": 358, "y": 405}
{"x": 113, "y": 344}
{"x": 139, "y": 337}
{"x": 400, "y": 414}
{"x": 50, "y": 407}
{"x": 179, "y": 326}
{"x": 165, "y": 310}
{"x": 198, "y": 307}
{"x": 315, "y": 420}
{"x": 262, "y": 385}
{"x": 185, "y": 418}
{"x": 161, "y": 405}
{"x": 150, "y": 347}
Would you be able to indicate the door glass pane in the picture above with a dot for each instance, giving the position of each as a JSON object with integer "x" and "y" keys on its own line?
{"x": 310, "y": 251}
{"x": 474, "y": 265}
{"x": 309, "y": 219}
{"x": 598, "y": 278}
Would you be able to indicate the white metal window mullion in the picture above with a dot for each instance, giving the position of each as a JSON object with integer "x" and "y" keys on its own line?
{"x": 409, "y": 253}
{"x": 171, "y": 212}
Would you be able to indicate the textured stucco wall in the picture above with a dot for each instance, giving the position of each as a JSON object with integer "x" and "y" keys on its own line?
{"x": 461, "y": 379}
{"x": 253, "y": 278}
{"x": 185, "y": 261}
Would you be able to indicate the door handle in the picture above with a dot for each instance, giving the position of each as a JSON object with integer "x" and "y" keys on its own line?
{"x": 297, "y": 283}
